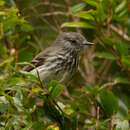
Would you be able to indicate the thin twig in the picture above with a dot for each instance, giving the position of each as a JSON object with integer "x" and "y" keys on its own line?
{"x": 98, "y": 116}
{"x": 37, "y": 41}
{"x": 54, "y": 18}
{"x": 53, "y": 13}
{"x": 82, "y": 74}
{"x": 102, "y": 66}
{"x": 48, "y": 3}
{"x": 108, "y": 20}
{"x": 67, "y": 2}
{"x": 105, "y": 72}
{"x": 108, "y": 85}
{"x": 44, "y": 20}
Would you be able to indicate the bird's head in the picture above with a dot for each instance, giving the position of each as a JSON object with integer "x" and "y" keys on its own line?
{"x": 73, "y": 40}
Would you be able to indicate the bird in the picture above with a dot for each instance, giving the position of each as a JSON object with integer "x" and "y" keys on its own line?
{"x": 60, "y": 59}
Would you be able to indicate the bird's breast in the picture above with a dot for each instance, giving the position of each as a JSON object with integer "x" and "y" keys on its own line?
{"x": 57, "y": 65}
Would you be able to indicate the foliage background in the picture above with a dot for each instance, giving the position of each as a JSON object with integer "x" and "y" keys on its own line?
{"x": 97, "y": 97}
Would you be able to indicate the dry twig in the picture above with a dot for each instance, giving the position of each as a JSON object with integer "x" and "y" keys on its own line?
{"x": 44, "y": 20}
{"x": 52, "y": 4}
{"x": 98, "y": 116}
{"x": 53, "y": 13}
{"x": 82, "y": 74}
{"x": 120, "y": 32}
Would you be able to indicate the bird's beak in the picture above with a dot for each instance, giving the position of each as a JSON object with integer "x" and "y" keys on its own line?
{"x": 87, "y": 43}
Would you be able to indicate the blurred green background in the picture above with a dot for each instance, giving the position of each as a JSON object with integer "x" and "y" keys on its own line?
{"x": 97, "y": 97}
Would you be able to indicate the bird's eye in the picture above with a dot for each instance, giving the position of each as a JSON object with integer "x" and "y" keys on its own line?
{"x": 73, "y": 41}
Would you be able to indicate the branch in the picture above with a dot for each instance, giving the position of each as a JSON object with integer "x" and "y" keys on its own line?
{"x": 44, "y": 20}
{"x": 107, "y": 85}
{"x": 37, "y": 41}
{"x": 106, "y": 70}
{"x": 48, "y": 3}
{"x": 120, "y": 32}
{"x": 51, "y": 8}
{"x": 82, "y": 74}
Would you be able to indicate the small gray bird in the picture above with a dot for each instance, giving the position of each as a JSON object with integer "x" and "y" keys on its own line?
{"x": 60, "y": 59}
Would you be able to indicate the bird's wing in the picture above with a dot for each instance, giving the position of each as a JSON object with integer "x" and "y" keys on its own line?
{"x": 41, "y": 58}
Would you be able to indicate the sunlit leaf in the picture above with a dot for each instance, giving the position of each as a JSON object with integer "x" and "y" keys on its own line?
{"x": 27, "y": 75}
{"x": 105, "y": 55}
{"x": 78, "y": 24}
{"x": 77, "y": 8}
{"x": 122, "y": 112}
{"x": 86, "y": 14}
{"x": 120, "y": 118}
{"x": 120, "y": 6}
{"x": 122, "y": 124}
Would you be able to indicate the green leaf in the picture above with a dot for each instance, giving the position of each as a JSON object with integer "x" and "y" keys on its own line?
{"x": 3, "y": 100}
{"x": 121, "y": 6}
{"x": 101, "y": 15}
{"x": 2, "y": 13}
{"x": 26, "y": 75}
{"x": 24, "y": 55}
{"x": 105, "y": 55}
{"x": 54, "y": 88}
{"x": 91, "y": 89}
{"x": 18, "y": 104}
{"x": 38, "y": 125}
{"x": 109, "y": 41}
{"x": 126, "y": 61}
{"x": 122, "y": 48}
{"x": 8, "y": 98}
{"x": 51, "y": 85}
{"x": 122, "y": 80}
{"x": 36, "y": 90}
{"x": 108, "y": 101}
{"x": 78, "y": 24}
{"x": 7, "y": 61}
{"x": 121, "y": 124}
{"x": 27, "y": 28}
{"x": 3, "y": 51}
{"x": 77, "y": 8}
{"x": 122, "y": 111}
{"x": 2, "y": 2}
{"x": 3, "y": 108}
{"x": 92, "y": 3}
{"x": 12, "y": 19}
{"x": 86, "y": 15}
{"x": 56, "y": 91}
{"x": 120, "y": 118}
